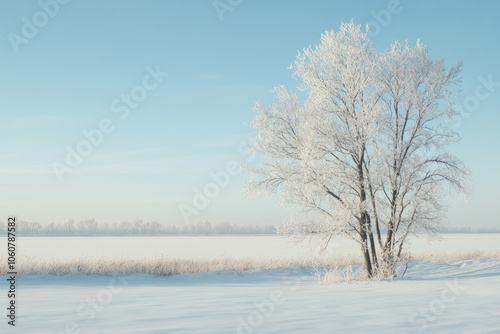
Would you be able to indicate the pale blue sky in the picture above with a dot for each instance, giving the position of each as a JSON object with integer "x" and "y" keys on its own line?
{"x": 66, "y": 76}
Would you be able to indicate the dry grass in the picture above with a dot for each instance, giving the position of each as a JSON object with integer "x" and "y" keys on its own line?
{"x": 342, "y": 264}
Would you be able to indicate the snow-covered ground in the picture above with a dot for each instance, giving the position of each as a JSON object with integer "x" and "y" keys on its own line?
{"x": 264, "y": 246}
{"x": 442, "y": 297}
{"x": 461, "y": 296}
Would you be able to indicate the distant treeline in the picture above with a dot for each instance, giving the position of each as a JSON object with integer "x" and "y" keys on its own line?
{"x": 91, "y": 227}
{"x": 470, "y": 229}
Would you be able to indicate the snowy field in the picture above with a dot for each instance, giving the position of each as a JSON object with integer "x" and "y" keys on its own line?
{"x": 460, "y": 296}
{"x": 451, "y": 297}
{"x": 264, "y": 246}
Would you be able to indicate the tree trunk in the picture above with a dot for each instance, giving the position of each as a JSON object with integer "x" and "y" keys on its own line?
{"x": 372, "y": 242}
{"x": 364, "y": 220}
{"x": 366, "y": 256}
{"x": 364, "y": 246}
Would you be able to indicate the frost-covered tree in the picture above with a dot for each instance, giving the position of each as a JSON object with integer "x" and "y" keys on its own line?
{"x": 414, "y": 168}
{"x": 365, "y": 150}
